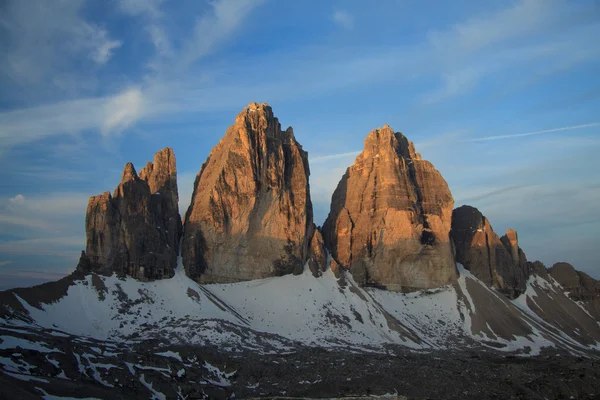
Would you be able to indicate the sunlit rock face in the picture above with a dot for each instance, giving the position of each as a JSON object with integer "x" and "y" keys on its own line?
{"x": 390, "y": 217}
{"x": 251, "y": 214}
{"x": 136, "y": 230}
{"x": 499, "y": 263}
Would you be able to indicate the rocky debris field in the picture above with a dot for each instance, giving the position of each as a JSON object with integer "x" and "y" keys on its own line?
{"x": 50, "y": 363}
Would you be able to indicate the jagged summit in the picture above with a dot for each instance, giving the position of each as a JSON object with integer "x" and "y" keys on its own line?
{"x": 390, "y": 217}
{"x": 128, "y": 173}
{"x": 136, "y": 231}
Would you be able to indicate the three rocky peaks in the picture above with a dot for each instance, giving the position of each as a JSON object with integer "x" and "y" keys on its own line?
{"x": 391, "y": 222}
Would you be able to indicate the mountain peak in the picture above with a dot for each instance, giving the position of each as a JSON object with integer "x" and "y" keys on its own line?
{"x": 251, "y": 214}
{"x": 128, "y": 173}
{"x": 384, "y": 140}
{"x": 390, "y": 217}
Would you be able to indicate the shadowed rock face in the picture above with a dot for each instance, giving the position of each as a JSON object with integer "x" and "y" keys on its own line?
{"x": 251, "y": 214}
{"x": 579, "y": 285}
{"x": 317, "y": 254}
{"x": 390, "y": 217}
{"x": 499, "y": 263}
{"x": 511, "y": 242}
{"x": 136, "y": 231}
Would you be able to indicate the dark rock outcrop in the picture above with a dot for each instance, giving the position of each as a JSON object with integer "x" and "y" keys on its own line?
{"x": 498, "y": 263}
{"x": 251, "y": 214}
{"x": 390, "y": 218}
{"x": 579, "y": 285}
{"x": 136, "y": 231}
{"x": 538, "y": 268}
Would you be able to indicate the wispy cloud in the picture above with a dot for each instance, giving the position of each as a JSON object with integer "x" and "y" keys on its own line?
{"x": 108, "y": 115}
{"x": 525, "y": 32}
{"x": 51, "y": 246}
{"x": 343, "y": 19}
{"x": 215, "y": 27}
{"x": 517, "y": 135}
{"x": 122, "y": 111}
{"x": 454, "y": 84}
{"x": 5, "y": 263}
{"x": 52, "y": 213}
{"x": 328, "y": 157}
{"x": 45, "y": 36}
{"x": 477, "y": 33}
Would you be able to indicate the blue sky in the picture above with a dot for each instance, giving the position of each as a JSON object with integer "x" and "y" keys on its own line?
{"x": 502, "y": 96}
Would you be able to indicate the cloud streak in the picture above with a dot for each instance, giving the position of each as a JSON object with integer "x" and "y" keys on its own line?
{"x": 320, "y": 159}
{"x": 517, "y": 135}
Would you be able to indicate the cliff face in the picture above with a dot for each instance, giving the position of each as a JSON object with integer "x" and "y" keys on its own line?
{"x": 136, "y": 231}
{"x": 251, "y": 214}
{"x": 498, "y": 262}
{"x": 390, "y": 218}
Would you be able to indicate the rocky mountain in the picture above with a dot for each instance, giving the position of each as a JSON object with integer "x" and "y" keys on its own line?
{"x": 251, "y": 214}
{"x": 390, "y": 218}
{"x": 397, "y": 295}
{"x": 498, "y": 262}
{"x": 136, "y": 230}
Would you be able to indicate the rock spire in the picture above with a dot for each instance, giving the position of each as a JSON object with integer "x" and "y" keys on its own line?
{"x": 251, "y": 214}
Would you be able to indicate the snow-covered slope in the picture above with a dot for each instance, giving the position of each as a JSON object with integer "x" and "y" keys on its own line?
{"x": 272, "y": 315}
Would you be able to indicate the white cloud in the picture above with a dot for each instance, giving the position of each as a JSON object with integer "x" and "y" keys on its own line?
{"x": 123, "y": 110}
{"x": 109, "y": 115}
{"x": 18, "y": 199}
{"x": 343, "y": 19}
{"x": 105, "y": 51}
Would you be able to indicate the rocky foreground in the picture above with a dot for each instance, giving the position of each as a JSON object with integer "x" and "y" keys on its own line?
{"x": 74, "y": 367}
{"x": 89, "y": 336}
